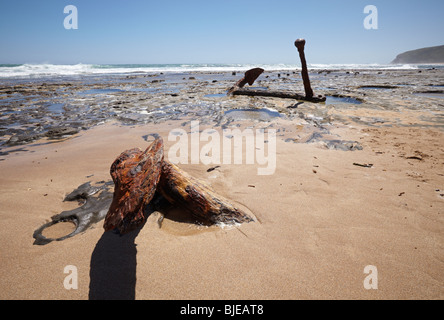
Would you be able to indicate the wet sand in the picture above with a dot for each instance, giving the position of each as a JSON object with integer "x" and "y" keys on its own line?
{"x": 320, "y": 219}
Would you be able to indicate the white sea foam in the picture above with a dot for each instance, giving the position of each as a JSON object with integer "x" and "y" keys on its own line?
{"x": 51, "y": 70}
{"x": 42, "y": 70}
{"x": 351, "y": 66}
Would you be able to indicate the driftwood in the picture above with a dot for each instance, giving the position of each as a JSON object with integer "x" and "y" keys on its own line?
{"x": 138, "y": 175}
{"x": 184, "y": 191}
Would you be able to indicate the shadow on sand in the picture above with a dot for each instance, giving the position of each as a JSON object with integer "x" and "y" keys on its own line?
{"x": 113, "y": 267}
{"x": 113, "y": 263}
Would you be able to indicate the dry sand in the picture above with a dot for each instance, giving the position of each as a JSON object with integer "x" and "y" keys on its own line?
{"x": 320, "y": 220}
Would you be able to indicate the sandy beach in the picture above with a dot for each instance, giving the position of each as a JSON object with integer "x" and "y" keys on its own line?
{"x": 321, "y": 218}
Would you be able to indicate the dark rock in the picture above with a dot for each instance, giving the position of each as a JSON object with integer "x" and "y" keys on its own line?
{"x": 343, "y": 145}
{"x": 314, "y": 137}
{"x": 23, "y": 138}
{"x": 61, "y": 131}
{"x": 85, "y": 191}
{"x": 91, "y": 212}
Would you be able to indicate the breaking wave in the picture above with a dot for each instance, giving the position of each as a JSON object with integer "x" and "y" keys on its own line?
{"x": 45, "y": 70}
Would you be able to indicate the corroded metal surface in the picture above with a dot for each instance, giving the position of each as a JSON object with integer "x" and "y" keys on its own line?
{"x": 300, "y": 45}
{"x": 135, "y": 174}
{"x": 138, "y": 175}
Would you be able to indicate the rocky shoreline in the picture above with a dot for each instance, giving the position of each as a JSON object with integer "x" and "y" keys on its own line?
{"x": 58, "y": 108}
{"x": 358, "y": 180}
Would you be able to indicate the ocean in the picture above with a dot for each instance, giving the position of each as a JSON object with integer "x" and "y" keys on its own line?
{"x": 11, "y": 71}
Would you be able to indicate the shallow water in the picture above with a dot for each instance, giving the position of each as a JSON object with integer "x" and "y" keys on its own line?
{"x": 215, "y": 95}
{"x": 377, "y": 87}
{"x": 258, "y": 88}
{"x": 56, "y": 108}
{"x": 439, "y": 95}
{"x": 253, "y": 114}
{"x": 169, "y": 89}
{"x": 337, "y": 100}
{"x": 100, "y": 91}
{"x": 31, "y": 107}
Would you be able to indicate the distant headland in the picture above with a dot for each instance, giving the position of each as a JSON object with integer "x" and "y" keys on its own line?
{"x": 424, "y": 55}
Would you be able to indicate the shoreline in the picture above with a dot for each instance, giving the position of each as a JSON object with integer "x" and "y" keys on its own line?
{"x": 54, "y": 109}
{"x": 85, "y": 69}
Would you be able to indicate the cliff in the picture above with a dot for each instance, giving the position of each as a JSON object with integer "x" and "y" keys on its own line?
{"x": 424, "y": 55}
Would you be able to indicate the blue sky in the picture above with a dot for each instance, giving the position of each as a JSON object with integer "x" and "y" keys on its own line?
{"x": 241, "y": 31}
